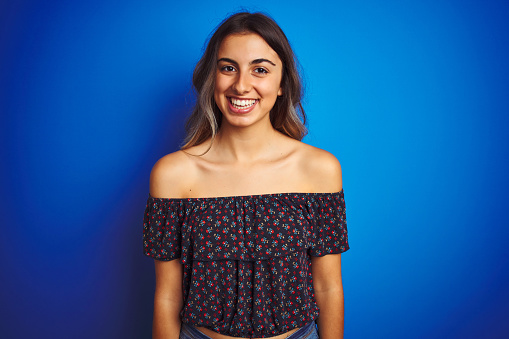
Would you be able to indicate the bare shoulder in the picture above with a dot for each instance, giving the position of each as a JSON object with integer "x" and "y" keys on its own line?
{"x": 171, "y": 175}
{"x": 322, "y": 169}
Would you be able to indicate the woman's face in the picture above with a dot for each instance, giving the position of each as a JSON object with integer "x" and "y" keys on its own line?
{"x": 248, "y": 79}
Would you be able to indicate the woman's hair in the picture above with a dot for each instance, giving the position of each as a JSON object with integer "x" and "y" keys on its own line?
{"x": 287, "y": 115}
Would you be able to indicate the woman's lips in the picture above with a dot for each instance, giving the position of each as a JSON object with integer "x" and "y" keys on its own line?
{"x": 241, "y": 106}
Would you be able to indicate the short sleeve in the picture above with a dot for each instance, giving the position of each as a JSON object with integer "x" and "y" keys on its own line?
{"x": 329, "y": 232}
{"x": 162, "y": 229}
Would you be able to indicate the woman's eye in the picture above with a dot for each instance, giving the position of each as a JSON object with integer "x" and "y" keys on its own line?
{"x": 261, "y": 70}
{"x": 228, "y": 68}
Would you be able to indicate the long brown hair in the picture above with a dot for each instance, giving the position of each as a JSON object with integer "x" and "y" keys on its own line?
{"x": 287, "y": 115}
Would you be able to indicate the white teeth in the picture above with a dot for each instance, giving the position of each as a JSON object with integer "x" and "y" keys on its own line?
{"x": 242, "y": 103}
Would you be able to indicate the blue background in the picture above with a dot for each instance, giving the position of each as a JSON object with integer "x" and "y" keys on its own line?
{"x": 411, "y": 96}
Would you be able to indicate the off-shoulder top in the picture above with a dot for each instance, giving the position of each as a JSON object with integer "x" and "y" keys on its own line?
{"x": 247, "y": 259}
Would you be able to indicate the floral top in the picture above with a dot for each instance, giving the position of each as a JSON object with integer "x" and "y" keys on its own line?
{"x": 247, "y": 259}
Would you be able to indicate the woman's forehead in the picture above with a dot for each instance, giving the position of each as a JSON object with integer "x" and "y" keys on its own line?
{"x": 246, "y": 47}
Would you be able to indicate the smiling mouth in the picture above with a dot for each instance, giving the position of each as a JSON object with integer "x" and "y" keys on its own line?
{"x": 242, "y": 103}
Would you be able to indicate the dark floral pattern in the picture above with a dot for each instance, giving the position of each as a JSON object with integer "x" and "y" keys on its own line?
{"x": 247, "y": 259}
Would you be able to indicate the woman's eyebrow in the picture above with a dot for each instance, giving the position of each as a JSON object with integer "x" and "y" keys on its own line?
{"x": 255, "y": 61}
{"x": 231, "y": 61}
{"x": 259, "y": 61}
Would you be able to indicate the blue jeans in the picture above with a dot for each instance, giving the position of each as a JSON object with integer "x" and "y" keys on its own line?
{"x": 306, "y": 332}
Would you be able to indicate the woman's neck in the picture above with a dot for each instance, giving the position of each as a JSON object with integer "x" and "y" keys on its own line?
{"x": 245, "y": 145}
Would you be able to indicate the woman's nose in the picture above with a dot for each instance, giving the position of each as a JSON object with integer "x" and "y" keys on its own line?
{"x": 242, "y": 83}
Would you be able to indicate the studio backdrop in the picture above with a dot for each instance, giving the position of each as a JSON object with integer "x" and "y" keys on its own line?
{"x": 410, "y": 96}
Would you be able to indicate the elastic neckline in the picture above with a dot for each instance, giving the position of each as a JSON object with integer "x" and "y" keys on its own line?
{"x": 249, "y": 196}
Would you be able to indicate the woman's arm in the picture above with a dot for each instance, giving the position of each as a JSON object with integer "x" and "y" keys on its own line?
{"x": 168, "y": 299}
{"x": 328, "y": 288}
{"x": 165, "y": 181}
{"x": 324, "y": 173}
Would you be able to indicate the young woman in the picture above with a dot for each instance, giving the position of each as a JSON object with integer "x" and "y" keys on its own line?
{"x": 255, "y": 216}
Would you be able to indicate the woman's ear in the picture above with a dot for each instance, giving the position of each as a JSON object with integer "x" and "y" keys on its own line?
{"x": 280, "y": 92}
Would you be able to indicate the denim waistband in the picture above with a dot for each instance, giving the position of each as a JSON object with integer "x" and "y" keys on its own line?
{"x": 190, "y": 332}
{"x": 304, "y": 331}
